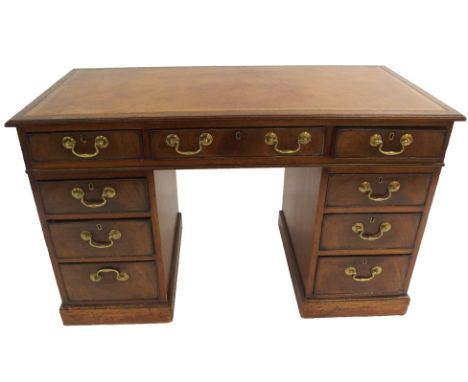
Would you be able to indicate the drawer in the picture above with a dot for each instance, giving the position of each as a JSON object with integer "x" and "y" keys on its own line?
{"x": 390, "y": 143}
{"x": 356, "y": 190}
{"x": 253, "y": 142}
{"x": 99, "y": 282}
{"x": 361, "y": 275}
{"x": 94, "y": 195}
{"x": 369, "y": 231}
{"x": 100, "y": 238}
{"x": 85, "y": 145}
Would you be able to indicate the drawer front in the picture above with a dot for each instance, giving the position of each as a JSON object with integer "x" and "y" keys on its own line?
{"x": 100, "y": 238}
{"x": 361, "y": 275}
{"x": 94, "y": 196}
{"x": 85, "y": 146}
{"x": 99, "y": 282}
{"x": 369, "y": 231}
{"x": 389, "y": 143}
{"x": 356, "y": 190}
{"x": 254, "y": 142}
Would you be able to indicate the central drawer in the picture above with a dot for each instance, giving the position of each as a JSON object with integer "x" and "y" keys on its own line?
{"x": 99, "y": 282}
{"x": 252, "y": 142}
{"x": 101, "y": 238}
{"x": 369, "y": 231}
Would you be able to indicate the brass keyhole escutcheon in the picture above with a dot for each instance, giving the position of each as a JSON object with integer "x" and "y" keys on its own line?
{"x": 83, "y": 139}
{"x": 238, "y": 135}
{"x": 380, "y": 179}
{"x": 91, "y": 187}
{"x": 391, "y": 136}
{"x": 99, "y": 227}
{"x": 372, "y": 219}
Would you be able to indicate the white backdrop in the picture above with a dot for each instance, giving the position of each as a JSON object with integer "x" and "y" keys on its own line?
{"x": 235, "y": 319}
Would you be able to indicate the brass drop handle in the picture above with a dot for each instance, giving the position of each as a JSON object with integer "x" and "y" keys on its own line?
{"x": 107, "y": 193}
{"x": 392, "y": 187}
{"x": 271, "y": 139}
{"x": 352, "y": 271}
{"x": 100, "y": 142}
{"x": 377, "y": 141}
{"x": 113, "y": 235}
{"x": 205, "y": 139}
{"x": 359, "y": 228}
{"x": 119, "y": 276}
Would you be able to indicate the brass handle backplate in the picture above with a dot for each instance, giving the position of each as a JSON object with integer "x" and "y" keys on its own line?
{"x": 377, "y": 141}
{"x": 107, "y": 193}
{"x": 205, "y": 139}
{"x": 100, "y": 142}
{"x": 359, "y": 228}
{"x": 392, "y": 187}
{"x": 303, "y": 138}
{"x": 352, "y": 271}
{"x": 113, "y": 235}
{"x": 119, "y": 276}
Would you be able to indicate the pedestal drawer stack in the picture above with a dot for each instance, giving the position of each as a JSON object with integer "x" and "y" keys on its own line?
{"x": 352, "y": 233}
{"x": 101, "y": 226}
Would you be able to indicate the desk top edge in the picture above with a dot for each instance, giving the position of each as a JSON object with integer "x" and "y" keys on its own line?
{"x": 441, "y": 112}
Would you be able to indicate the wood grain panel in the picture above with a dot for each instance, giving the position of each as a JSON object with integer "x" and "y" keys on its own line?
{"x": 337, "y": 231}
{"x": 47, "y": 147}
{"x": 300, "y": 211}
{"x": 136, "y": 238}
{"x": 331, "y": 279}
{"x": 141, "y": 283}
{"x": 354, "y": 143}
{"x": 343, "y": 189}
{"x": 131, "y": 195}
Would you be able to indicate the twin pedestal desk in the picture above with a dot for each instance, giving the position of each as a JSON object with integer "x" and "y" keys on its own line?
{"x": 362, "y": 148}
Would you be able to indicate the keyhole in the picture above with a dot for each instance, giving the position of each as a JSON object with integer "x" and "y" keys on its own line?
{"x": 99, "y": 227}
{"x": 238, "y": 135}
{"x": 380, "y": 179}
{"x": 83, "y": 139}
{"x": 372, "y": 219}
{"x": 364, "y": 260}
{"x": 391, "y": 136}
{"x": 91, "y": 187}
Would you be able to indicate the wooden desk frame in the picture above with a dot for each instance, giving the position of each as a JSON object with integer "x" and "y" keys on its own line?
{"x": 305, "y": 212}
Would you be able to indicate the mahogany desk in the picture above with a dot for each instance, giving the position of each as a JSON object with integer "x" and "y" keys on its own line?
{"x": 362, "y": 147}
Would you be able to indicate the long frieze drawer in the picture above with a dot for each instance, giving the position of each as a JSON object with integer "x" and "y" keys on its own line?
{"x": 99, "y": 282}
{"x": 253, "y": 142}
{"x": 390, "y": 143}
{"x": 85, "y": 146}
{"x": 361, "y": 276}
{"x": 369, "y": 231}
{"x": 100, "y": 238}
{"x": 362, "y": 190}
{"x": 94, "y": 195}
